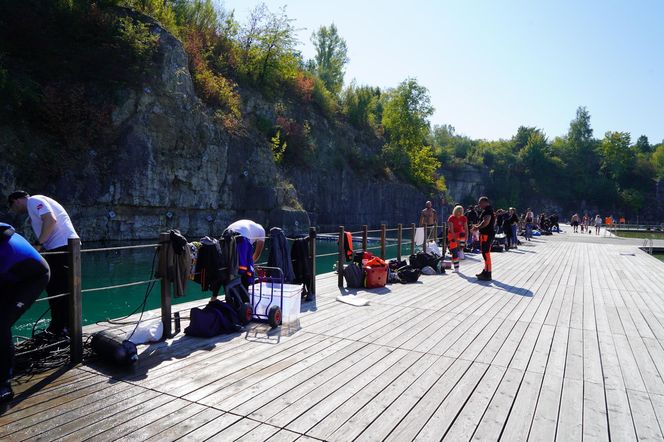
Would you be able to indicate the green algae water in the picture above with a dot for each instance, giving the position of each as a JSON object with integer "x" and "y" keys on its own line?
{"x": 109, "y": 268}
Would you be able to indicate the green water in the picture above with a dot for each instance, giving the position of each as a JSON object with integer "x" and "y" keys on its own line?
{"x": 101, "y": 269}
{"x": 641, "y": 234}
{"x": 659, "y": 256}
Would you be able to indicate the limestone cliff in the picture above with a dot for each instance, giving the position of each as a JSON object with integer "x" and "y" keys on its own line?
{"x": 171, "y": 165}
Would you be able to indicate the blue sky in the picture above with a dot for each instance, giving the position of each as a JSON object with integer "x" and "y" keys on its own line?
{"x": 492, "y": 66}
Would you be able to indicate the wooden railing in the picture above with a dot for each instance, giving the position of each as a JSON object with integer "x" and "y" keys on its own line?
{"x": 75, "y": 298}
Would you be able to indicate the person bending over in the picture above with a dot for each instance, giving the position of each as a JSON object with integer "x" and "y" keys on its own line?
{"x": 485, "y": 226}
{"x": 52, "y": 227}
{"x": 24, "y": 274}
{"x": 254, "y": 233}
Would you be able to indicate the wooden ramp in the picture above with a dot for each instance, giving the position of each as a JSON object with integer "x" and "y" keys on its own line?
{"x": 567, "y": 343}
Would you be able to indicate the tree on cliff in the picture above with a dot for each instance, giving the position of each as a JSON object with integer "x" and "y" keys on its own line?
{"x": 406, "y": 113}
{"x": 331, "y": 57}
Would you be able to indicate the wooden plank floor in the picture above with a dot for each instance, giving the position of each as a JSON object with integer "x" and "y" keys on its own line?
{"x": 567, "y": 343}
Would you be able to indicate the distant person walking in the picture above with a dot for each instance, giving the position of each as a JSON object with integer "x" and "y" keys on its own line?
{"x": 598, "y": 224}
{"x": 53, "y": 228}
{"x": 586, "y": 223}
{"x": 486, "y": 226}
{"x": 575, "y": 222}
{"x": 457, "y": 225}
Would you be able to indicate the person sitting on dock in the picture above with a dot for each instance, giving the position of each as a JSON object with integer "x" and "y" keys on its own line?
{"x": 52, "y": 227}
{"x": 24, "y": 274}
{"x": 485, "y": 227}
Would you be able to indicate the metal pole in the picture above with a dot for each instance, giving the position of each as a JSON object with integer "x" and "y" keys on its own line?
{"x": 75, "y": 301}
{"x": 382, "y": 241}
{"x": 365, "y": 235}
{"x": 164, "y": 243}
{"x": 340, "y": 258}
{"x": 412, "y": 239}
{"x": 399, "y": 239}
{"x": 312, "y": 257}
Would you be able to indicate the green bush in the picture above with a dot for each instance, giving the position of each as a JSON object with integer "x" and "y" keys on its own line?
{"x": 325, "y": 100}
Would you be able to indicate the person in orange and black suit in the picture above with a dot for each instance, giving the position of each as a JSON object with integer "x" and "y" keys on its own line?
{"x": 486, "y": 227}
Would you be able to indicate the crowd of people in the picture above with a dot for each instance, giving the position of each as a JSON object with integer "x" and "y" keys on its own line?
{"x": 584, "y": 224}
{"x": 479, "y": 228}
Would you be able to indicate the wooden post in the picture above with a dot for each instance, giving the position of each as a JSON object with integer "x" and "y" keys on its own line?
{"x": 382, "y": 240}
{"x": 426, "y": 238}
{"x": 412, "y": 239}
{"x": 399, "y": 239}
{"x": 75, "y": 301}
{"x": 312, "y": 257}
{"x": 164, "y": 243}
{"x": 365, "y": 235}
{"x": 340, "y": 258}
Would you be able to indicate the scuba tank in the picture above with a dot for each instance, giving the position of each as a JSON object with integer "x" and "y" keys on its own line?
{"x": 112, "y": 347}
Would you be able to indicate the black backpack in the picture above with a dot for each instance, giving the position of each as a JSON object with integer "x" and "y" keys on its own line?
{"x": 354, "y": 276}
{"x": 214, "y": 319}
{"x": 423, "y": 259}
{"x": 396, "y": 264}
{"x": 408, "y": 274}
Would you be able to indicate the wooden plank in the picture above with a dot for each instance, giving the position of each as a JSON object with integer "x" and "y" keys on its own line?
{"x": 493, "y": 420}
{"x": 327, "y": 367}
{"x": 65, "y": 427}
{"x": 467, "y": 420}
{"x": 521, "y": 415}
{"x": 236, "y": 430}
{"x": 257, "y": 384}
{"x": 261, "y": 432}
{"x": 595, "y": 419}
{"x": 186, "y": 426}
{"x": 643, "y": 414}
{"x": 213, "y": 427}
{"x": 76, "y": 409}
{"x": 282, "y": 412}
{"x": 621, "y": 425}
{"x": 326, "y": 426}
{"x": 383, "y": 425}
{"x": 545, "y": 419}
{"x": 570, "y": 417}
{"x": 447, "y": 410}
{"x": 368, "y": 414}
{"x": 398, "y": 360}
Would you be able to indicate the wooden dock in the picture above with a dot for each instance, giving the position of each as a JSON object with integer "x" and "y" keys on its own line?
{"x": 567, "y": 343}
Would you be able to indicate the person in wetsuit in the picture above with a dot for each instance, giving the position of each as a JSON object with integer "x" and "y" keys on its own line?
{"x": 24, "y": 274}
{"x": 485, "y": 225}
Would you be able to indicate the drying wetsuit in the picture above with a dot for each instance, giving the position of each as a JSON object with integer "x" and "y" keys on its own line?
{"x": 24, "y": 274}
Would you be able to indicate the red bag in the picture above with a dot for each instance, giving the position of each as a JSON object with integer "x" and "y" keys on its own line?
{"x": 375, "y": 276}
{"x": 375, "y": 261}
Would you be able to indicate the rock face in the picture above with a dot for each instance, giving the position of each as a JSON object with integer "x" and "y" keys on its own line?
{"x": 466, "y": 183}
{"x": 173, "y": 167}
